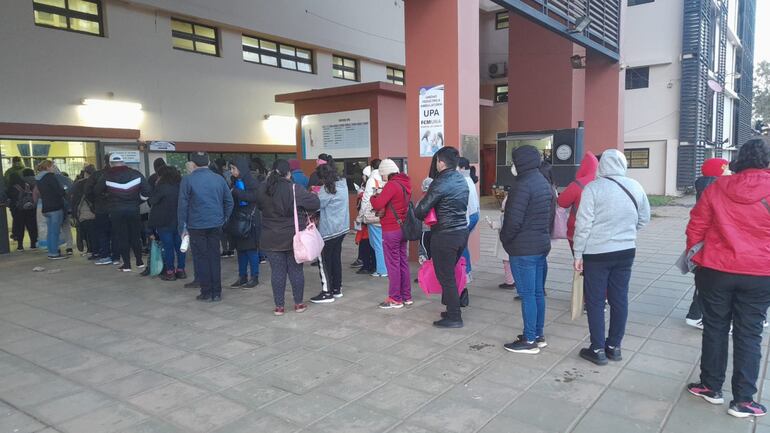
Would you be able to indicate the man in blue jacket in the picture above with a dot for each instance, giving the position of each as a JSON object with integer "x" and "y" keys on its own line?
{"x": 205, "y": 204}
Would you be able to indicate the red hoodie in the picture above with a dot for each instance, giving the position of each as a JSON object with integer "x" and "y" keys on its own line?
{"x": 570, "y": 197}
{"x": 393, "y": 194}
{"x": 734, "y": 224}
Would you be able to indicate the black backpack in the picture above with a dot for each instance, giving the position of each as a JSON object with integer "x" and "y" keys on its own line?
{"x": 24, "y": 202}
{"x": 411, "y": 227}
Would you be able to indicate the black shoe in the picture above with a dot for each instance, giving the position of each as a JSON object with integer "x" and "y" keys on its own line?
{"x": 416, "y": 280}
{"x": 337, "y": 294}
{"x": 448, "y": 323}
{"x": 507, "y": 286}
{"x": 597, "y": 356}
{"x": 322, "y": 298}
{"x": 262, "y": 261}
{"x": 357, "y": 264}
{"x": 165, "y": 276}
{"x": 613, "y": 353}
{"x": 194, "y": 284}
{"x": 363, "y": 271}
{"x": 521, "y": 345}
{"x": 180, "y": 274}
{"x": 241, "y": 281}
{"x": 254, "y": 282}
{"x": 216, "y": 298}
{"x": 203, "y": 298}
{"x": 68, "y": 251}
{"x": 139, "y": 264}
{"x": 57, "y": 257}
{"x": 540, "y": 341}
{"x": 146, "y": 272}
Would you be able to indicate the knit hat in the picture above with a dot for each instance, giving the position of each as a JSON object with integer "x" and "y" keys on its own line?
{"x": 387, "y": 167}
{"x": 714, "y": 167}
{"x": 201, "y": 159}
{"x": 293, "y": 164}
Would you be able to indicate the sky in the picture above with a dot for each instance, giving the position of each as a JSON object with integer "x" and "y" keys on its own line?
{"x": 762, "y": 36}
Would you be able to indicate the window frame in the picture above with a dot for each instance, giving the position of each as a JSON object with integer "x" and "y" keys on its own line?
{"x": 629, "y": 157}
{"x": 502, "y": 20}
{"x": 194, "y": 37}
{"x": 278, "y": 54}
{"x": 343, "y": 68}
{"x": 69, "y": 14}
{"x": 629, "y": 85}
{"x": 632, "y": 3}
{"x": 390, "y": 73}
{"x": 498, "y": 94}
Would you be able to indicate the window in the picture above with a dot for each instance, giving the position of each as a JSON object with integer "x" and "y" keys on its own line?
{"x": 345, "y": 68}
{"x": 194, "y": 37}
{"x": 395, "y": 75}
{"x": 639, "y": 2}
{"x": 280, "y": 55}
{"x": 501, "y": 93}
{"x": 637, "y": 78}
{"x": 82, "y": 16}
{"x": 501, "y": 20}
{"x": 638, "y": 158}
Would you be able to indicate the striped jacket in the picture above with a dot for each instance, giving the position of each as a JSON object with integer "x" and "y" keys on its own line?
{"x": 124, "y": 187}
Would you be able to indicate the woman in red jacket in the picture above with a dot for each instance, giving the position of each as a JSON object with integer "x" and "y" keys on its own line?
{"x": 392, "y": 201}
{"x": 570, "y": 197}
{"x": 732, "y": 220}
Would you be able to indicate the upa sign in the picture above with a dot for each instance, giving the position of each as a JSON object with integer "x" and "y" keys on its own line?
{"x": 431, "y": 119}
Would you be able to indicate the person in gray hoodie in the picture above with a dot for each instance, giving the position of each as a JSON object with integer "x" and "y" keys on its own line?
{"x": 612, "y": 209}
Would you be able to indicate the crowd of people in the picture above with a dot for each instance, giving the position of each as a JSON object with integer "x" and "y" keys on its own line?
{"x": 220, "y": 207}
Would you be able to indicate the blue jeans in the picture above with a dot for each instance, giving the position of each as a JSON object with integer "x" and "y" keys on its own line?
{"x": 529, "y": 272}
{"x": 53, "y": 221}
{"x": 171, "y": 241}
{"x": 246, "y": 258}
{"x": 375, "y": 238}
{"x": 473, "y": 220}
{"x": 607, "y": 279}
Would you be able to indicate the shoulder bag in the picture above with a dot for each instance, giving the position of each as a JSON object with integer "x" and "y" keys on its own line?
{"x": 307, "y": 243}
{"x": 411, "y": 227}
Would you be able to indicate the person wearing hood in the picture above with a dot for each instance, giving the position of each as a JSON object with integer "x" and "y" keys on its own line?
{"x": 297, "y": 176}
{"x": 365, "y": 261}
{"x": 526, "y": 237}
{"x": 370, "y": 217}
{"x": 393, "y": 203}
{"x": 570, "y": 197}
{"x": 20, "y": 193}
{"x": 612, "y": 210}
{"x": 244, "y": 190}
{"x": 157, "y": 164}
{"x": 732, "y": 219}
{"x": 51, "y": 192}
{"x": 712, "y": 169}
{"x": 464, "y": 167}
{"x": 163, "y": 220}
{"x": 334, "y": 225}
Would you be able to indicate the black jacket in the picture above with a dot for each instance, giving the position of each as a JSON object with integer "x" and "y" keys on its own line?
{"x": 701, "y": 183}
{"x": 51, "y": 192}
{"x": 530, "y": 208}
{"x": 98, "y": 200}
{"x": 278, "y": 213}
{"x": 163, "y": 205}
{"x": 125, "y": 187}
{"x": 448, "y": 195}
{"x": 248, "y": 196}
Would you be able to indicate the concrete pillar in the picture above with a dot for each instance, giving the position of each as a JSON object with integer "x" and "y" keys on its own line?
{"x": 603, "y": 104}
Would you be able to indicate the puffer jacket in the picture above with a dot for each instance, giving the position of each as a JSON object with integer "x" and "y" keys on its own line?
{"x": 397, "y": 193}
{"x": 246, "y": 202}
{"x": 278, "y": 213}
{"x": 732, "y": 219}
{"x": 448, "y": 195}
{"x": 530, "y": 207}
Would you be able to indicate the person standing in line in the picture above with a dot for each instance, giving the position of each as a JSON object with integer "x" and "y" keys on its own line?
{"x": 82, "y": 210}
{"x": 334, "y": 225}
{"x": 20, "y": 193}
{"x": 322, "y": 159}
{"x": 50, "y": 191}
{"x": 105, "y": 253}
{"x": 157, "y": 164}
{"x": 244, "y": 190}
{"x": 612, "y": 210}
{"x": 17, "y": 167}
{"x": 66, "y": 225}
{"x": 163, "y": 220}
{"x": 526, "y": 237}
{"x": 448, "y": 196}
{"x": 276, "y": 198}
{"x": 205, "y": 204}
{"x": 570, "y": 197}
{"x": 297, "y": 176}
{"x": 393, "y": 204}
{"x": 469, "y": 173}
{"x": 712, "y": 169}
{"x": 219, "y": 166}
{"x": 365, "y": 261}
{"x": 190, "y": 167}
{"x": 732, "y": 219}
{"x": 374, "y": 186}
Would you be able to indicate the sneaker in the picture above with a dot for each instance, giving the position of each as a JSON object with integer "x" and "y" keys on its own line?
{"x": 375, "y": 274}
{"x": 391, "y": 303}
{"x": 765, "y": 324}
{"x": 125, "y": 269}
{"x": 701, "y": 390}
{"x": 597, "y": 356}
{"x": 57, "y": 257}
{"x": 180, "y": 274}
{"x": 104, "y": 261}
{"x": 216, "y": 298}
{"x": 279, "y": 311}
{"x": 613, "y": 353}
{"x": 140, "y": 264}
{"x": 746, "y": 409}
{"x": 20, "y": 248}
{"x": 357, "y": 264}
{"x": 695, "y": 323}
{"x": 252, "y": 283}
{"x": 262, "y": 261}
{"x": 408, "y": 302}
{"x": 448, "y": 323}
{"x": 300, "y": 308}
{"x": 69, "y": 251}
{"x": 337, "y": 294}
{"x": 507, "y": 286}
{"x": 203, "y": 298}
{"x": 521, "y": 345}
{"x": 540, "y": 341}
{"x": 239, "y": 282}
{"x": 322, "y": 298}
{"x": 117, "y": 262}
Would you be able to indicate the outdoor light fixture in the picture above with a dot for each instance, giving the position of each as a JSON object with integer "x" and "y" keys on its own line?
{"x": 581, "y": 23}
{"x": 105, "y": 103}
{"x": 280, "y": 129}
{"x": 577, "y": 61}
{"x": 280, "y": 118}
{"x": 107, "y": 113}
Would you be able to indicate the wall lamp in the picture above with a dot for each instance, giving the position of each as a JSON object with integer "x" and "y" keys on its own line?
{"x": 104, "y": 103}
{"x": 280, "y": 118}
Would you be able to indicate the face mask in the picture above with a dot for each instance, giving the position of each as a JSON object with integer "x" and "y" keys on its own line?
{"x": 513, "y": 170}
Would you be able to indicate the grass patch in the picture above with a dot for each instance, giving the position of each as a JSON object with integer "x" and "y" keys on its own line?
{"x": 660, "y": 200}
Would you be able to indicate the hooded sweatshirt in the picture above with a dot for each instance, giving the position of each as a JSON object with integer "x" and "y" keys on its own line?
{"x": 607, "y": 220}
{"x": 570, "y": 197}
{"x": 397, "y": 193}
{"x": 711, "y": 169}
{"x": 732, "y": 219}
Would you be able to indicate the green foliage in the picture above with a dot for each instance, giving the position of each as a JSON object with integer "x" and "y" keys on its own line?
{"x": 762, "y": 92}
{"x": 660, "y": 200}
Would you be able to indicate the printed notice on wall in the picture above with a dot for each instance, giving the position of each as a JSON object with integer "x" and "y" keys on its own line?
{"x": 431, "y": 119}
{"x": 344, "y": 134}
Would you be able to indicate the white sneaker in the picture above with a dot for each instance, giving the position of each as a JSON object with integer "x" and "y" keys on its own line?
{"x": 765, "y": 324}
{"x": 695, "y": 323}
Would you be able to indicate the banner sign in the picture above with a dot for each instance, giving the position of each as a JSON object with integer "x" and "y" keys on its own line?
{"x": 431, "y": 119}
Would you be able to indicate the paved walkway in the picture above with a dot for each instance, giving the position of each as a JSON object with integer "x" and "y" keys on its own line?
{"x": 86, "y": 349}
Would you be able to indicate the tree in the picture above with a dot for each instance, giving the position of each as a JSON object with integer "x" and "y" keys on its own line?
{"x": 762, "y": 92}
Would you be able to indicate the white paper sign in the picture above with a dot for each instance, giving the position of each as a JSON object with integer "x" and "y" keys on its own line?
{"x": 129, "y": 156}
{"x": 431, "y": 119}
{"x": 162, "y": 146}
{"x": 344, "y": 134}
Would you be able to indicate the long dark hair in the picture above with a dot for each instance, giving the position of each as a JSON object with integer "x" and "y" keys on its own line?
{"x": 170, "y": 175}
{"x": 328, "y": 177}
{"x": 465, "y": 164}
{"x": 755, "y": 153}
{"x": 280, "y": 170}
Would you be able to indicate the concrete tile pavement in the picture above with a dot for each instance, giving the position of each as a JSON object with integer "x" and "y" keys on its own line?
{"x": 88, "y": 349}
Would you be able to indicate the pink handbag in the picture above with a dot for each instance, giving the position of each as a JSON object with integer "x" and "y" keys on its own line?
{"x": 307, "y": 243}
{"x": 559, "y": 230}
{"x": 426, "y": 278}
{"x": 431, "y": 218}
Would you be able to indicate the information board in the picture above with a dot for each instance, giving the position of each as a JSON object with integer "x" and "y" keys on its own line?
{"x": 343, "y": 134}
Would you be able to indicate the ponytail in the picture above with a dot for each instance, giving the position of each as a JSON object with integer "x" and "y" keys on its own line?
{"x": 280, "y": 171}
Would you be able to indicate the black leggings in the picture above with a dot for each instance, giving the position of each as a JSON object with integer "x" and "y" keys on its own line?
{"x": 25, "y": 219}
{"x": 330, "y": 265}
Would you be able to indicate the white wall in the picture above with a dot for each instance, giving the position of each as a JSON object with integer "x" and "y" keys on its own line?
{"x": 185, "y": 96}
{"x": 653, "y": 179}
